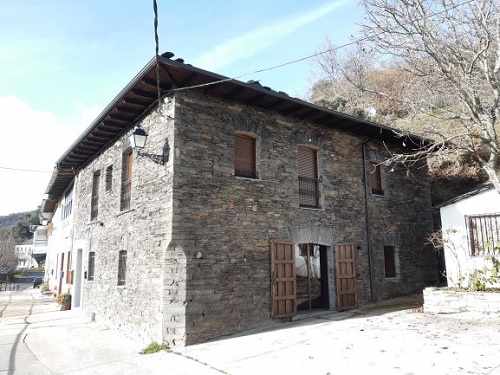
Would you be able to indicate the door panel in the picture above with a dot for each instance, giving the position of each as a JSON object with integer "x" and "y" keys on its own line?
{"x": 283, "y": 279}
{"x": 347, "y": 296}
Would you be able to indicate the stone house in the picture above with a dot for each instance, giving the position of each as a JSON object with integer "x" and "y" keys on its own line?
{"x": 471, "y": 234}
{"x": 244, "y": 205}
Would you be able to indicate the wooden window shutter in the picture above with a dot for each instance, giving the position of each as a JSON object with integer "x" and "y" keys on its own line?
{"x": 244, "y": 156}
{"x": 122, "y": 267}
{"x": 126, "y": 187}
{"x": 375, "y": 178}
{"x": 94, "y": 203}
{"x": 91, "y": 266}
{"x": 307, "y": 162}
{"x": 109, "y": 178}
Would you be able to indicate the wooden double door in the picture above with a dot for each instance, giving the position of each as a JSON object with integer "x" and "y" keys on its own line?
{"x": 284, "y": 280}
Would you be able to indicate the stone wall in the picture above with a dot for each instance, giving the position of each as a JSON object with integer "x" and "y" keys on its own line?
{"x": 143, "y": 231}
{"x": 223, "y": 224}
{"x": 402, "y": 218}
{"x": 449, "y": 301}
{"x": 197, "y": 237}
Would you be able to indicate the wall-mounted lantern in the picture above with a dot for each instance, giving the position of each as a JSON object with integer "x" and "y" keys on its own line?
{"x": 138, "y": 140}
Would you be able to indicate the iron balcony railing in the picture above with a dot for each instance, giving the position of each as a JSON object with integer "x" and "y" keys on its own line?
{"x": 308, "y": 192}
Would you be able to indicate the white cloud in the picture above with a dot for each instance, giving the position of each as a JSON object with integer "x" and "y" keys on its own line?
{"x": 250, "y": 43}
{"x": 32, "y": 139}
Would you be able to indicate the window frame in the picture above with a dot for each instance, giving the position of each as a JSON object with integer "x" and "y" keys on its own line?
{"x": 69, "y": 274}
{"x": 94, "y": 199}
{"x": 315, "y": 180}
{"x": 67, "y": 203}
{"x": 375, "y": 168}
{"x": 122, "y": 268}
{"x": 126, "y": 179}
{"x": 109, "y": 178}
{"x": 476, "y": 237}
{"x": 91, "y": 266}
{"x": 240, "y": 173}
{"x": 395, "y": 263}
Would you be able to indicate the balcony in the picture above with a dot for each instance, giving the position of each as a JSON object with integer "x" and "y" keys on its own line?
{"x": 308, "y": 192}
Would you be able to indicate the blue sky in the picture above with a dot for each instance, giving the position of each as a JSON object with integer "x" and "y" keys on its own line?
{"x": 65, "y": 60}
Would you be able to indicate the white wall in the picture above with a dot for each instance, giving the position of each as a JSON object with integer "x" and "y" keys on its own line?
{"x": 60, "y": 241}
{"x": 459, "y": 263}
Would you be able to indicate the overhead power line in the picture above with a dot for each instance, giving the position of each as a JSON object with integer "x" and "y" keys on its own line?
{"x": 260, "y": 70}
{"x": 308, "y": 57}
{"x": 24, "y": 170}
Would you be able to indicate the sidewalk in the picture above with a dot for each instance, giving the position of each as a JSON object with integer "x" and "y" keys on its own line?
{"x": 37, "y": 339}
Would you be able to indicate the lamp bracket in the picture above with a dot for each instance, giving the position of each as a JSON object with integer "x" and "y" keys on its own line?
{"x": 158, "y": 159}
{"x": 161, "y": 159}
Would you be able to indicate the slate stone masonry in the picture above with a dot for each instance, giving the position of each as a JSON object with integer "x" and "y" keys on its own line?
{"x": 198, "y": 238}
{"x": 226, "y": 222}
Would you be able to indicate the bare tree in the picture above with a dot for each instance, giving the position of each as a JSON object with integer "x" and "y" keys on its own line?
{"x": 8, "y": 258}
{"x": 448, "y": 57}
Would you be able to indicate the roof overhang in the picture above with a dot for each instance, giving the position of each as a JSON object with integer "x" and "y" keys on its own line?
{"x": 481, "y": 188}
{"x": 137, "y": 99}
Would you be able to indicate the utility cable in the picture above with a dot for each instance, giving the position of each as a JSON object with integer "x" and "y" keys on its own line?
{"x": 304, "y": 58}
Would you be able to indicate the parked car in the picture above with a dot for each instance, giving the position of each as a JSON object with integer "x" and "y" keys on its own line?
{"x": 37, "y": 281}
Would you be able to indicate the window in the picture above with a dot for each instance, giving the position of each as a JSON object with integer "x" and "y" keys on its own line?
{"x": 307, "y": 162}
{"x": 67, "y": 204}
{"x": 94, "y": 203}
{"x": 244, "y": 156}
{"x": 91, "y": 266}
{"x": 390, "y": 261}
{"x": 375, "y": 178}
{"x": 122, "y": 267}
{"x": 109, "y": 178}
{"x": 484, "y": 233}
{"x": 69, "y": 274}
{"x": 126, "y": 180}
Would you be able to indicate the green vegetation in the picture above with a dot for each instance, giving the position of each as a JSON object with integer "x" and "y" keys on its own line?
{"x": 64, "y": 300}
{"x": 486, "y": 279}
{"x": 154, "y": 347}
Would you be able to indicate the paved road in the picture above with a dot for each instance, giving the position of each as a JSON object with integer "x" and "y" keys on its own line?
{"x": 36, "y": 339}
{"x": 16, "y": 310}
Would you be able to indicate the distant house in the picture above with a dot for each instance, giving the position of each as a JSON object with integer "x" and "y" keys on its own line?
{"x": 471, "y": 233}
{"x": 25, "y": 259}
{"x": 32, "y": 254}
{"x": 244, "y": 205}
{"x": 40, "y": 244}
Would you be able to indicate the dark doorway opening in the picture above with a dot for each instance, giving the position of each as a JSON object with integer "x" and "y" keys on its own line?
{"x": 311, "y": 270}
